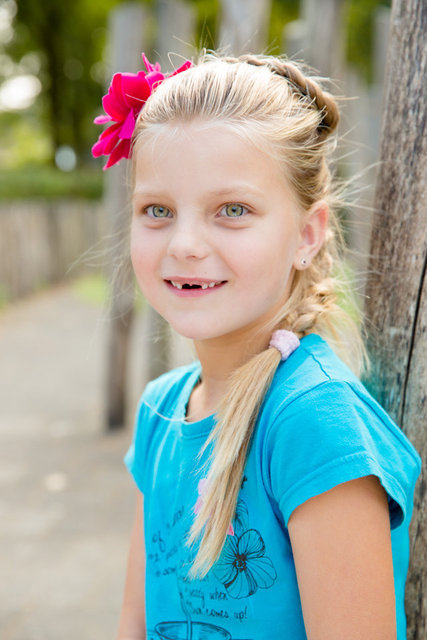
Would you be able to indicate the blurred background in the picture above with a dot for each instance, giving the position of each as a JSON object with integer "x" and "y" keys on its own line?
{"x": 77, "y": 344}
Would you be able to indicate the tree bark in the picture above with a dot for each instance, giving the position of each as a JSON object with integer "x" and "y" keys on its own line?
{"x": 396, "y": 305}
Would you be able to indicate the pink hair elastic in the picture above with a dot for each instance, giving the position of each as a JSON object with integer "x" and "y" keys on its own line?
{"x": 285, "y": 342}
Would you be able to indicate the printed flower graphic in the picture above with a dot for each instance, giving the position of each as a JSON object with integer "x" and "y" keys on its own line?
{"x": 242, "y": 567}
{"x": 126, "y": 96}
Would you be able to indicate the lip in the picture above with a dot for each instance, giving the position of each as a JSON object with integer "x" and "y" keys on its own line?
{"x": 193, "y": 293}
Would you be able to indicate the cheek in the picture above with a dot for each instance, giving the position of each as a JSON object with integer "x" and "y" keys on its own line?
{"x": 142, "y": 255}
{"x": 269, "y": 261}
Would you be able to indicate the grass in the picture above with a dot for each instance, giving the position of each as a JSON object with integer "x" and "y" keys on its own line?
{"x": 95, "y": 289}
{"x": 41, "y": 181}
{"x": 92, "y": 288}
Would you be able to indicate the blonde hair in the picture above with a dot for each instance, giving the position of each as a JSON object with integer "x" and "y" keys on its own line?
{"x": 271, "y": 102}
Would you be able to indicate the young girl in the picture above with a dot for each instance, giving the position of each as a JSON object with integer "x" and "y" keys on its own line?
{"x": 274, "y": 493}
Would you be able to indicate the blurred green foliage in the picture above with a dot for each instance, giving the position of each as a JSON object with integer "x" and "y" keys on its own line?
{"x": 45, "y": 181}
{"x": 207, "y": 12}
{"x": 64, "y": 45}
{"x": 96, "y": 289}
{"x": 282, "y": 12}
{"x": 24, "y": 138}
{"x": 93, "y": 288}
{"x": 359, "y": 34}
{"x": 68, "y": 39}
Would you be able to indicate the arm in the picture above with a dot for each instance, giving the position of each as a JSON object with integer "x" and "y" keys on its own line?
{"x": 132, "y": 619}
{"x": 342, "y": 550}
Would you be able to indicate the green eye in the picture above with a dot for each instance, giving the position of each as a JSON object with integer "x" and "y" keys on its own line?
{"x": 158, "y": 211}
{"x": 234, "y": 210}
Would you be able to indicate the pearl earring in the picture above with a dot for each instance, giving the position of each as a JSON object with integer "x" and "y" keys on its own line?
{"x": 304, "y": 262}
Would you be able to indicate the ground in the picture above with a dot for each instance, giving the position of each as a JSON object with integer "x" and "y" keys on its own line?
{"x": 66, "y": 500}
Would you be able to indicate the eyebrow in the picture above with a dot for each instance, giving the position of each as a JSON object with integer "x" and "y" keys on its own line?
{"x": 238, "y": 187}
{"x": 142, "y": 193}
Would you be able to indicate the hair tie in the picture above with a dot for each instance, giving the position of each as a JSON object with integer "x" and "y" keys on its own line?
{"x": 127, "y": 94}
{"x": 285, "y": 342}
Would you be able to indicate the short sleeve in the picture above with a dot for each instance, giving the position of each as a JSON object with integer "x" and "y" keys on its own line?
{"x": 332, "y": 434}
{"x": 136, "y": 456}
{"x": 160, "y": 412}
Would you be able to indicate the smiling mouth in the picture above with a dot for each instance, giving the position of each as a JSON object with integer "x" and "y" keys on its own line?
{"x": 190, "y": 285}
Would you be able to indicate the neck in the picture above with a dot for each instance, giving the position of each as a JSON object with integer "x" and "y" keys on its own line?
{"x": 219, "y": 357}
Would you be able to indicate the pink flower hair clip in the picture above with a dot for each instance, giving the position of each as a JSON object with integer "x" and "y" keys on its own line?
{"x": 127, "y": 94}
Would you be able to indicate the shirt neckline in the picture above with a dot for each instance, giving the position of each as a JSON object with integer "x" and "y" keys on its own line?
{"x": 203, "y": 427}
{"x": 196, "y": 428}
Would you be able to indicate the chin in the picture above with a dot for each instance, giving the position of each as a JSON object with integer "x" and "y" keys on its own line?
{"x": 194, "y": 334}
{"x": 197, "y": 332}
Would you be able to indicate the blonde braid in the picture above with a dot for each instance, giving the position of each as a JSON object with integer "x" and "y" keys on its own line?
{"x": 304, "y": 86}
{"x": 236, "y": 419}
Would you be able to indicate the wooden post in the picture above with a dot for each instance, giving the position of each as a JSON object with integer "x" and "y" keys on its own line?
{"x": 325, "y": 36}
{"x": 244, "y": 25}
{"x": 362, "y": 118}
{"x": 126, "y": 43}
{"x": 396, "y": 306}
{"x": 176, "y": 26}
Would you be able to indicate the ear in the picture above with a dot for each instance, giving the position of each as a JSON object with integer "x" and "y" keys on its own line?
{"x": 312, "y": 234}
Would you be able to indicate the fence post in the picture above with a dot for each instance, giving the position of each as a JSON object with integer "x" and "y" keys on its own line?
{"x": 362, "y": 119}
{"x": 176, "y": 25}
{"x": 244, "y": 25}
{"x": 324, "y": 46}
{"x": 126, "y": 43}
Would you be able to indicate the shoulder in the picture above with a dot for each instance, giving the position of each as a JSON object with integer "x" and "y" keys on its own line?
{"x": 309, "y": 367}
{"x": 166, "y": 393}
{"x": 160, "y": 409}
{"x": 316, "y": 383}
{"x": 319, "y": 427}
{"x": 163, "y": 404}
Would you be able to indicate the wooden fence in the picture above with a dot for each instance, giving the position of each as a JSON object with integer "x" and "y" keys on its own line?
{"x": 44, "y": 242}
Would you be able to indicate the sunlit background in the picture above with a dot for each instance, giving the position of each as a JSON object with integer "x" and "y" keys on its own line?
{"x": 66, "y": 502}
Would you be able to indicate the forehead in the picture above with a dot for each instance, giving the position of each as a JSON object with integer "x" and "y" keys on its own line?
{"x": 201, "y": 152}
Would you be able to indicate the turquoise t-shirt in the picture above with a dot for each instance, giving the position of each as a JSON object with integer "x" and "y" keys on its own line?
{"x": 318, "y": 427}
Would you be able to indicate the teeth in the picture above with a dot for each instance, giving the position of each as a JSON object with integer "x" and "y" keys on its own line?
{"x": 205, "y": 285}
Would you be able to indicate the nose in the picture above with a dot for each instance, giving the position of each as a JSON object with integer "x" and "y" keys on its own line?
{"x": 188, "y": 240}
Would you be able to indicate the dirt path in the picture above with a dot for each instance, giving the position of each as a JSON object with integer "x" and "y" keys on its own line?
{"x": 66, "y": 500}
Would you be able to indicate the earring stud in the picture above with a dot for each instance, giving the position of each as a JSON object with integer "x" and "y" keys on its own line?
{"x": 304, "y": 262}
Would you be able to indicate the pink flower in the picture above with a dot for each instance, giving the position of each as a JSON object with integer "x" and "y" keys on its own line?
{"x": 126, "y": 96}
{"x": 201, "y": 489}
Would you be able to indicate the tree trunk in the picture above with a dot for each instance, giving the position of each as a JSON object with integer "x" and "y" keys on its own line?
{"x": 396, "y": 304}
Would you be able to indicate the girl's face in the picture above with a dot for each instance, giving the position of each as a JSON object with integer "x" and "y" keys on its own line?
{"x": 215, "y": 234}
